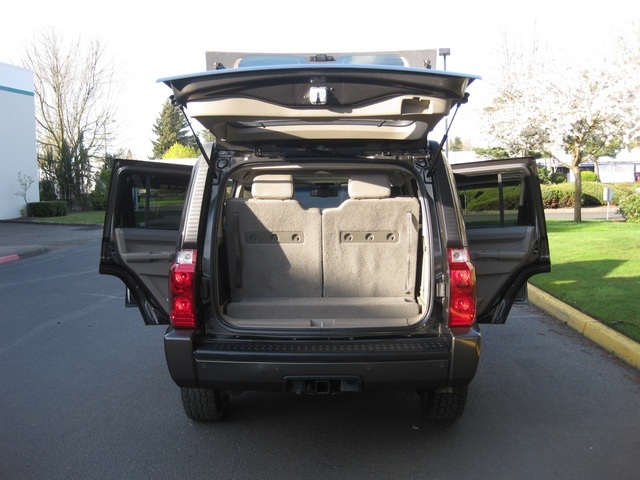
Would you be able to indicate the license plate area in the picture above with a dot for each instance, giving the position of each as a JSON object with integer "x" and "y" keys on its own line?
{"x": 328, "y": 385}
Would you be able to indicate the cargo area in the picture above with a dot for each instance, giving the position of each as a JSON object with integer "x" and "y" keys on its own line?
{"x": 327, "y": 248}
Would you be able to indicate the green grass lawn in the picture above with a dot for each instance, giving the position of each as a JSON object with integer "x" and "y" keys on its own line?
{"x": 92, "y": 217}
{"x": 595, "y": 267}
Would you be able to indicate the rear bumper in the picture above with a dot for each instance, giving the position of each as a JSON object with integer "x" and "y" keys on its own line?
{"x": 364, "y": 365}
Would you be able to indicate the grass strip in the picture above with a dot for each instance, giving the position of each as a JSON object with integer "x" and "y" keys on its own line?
{"x": 595, "y": 268}
{"x": 95, "y": 217}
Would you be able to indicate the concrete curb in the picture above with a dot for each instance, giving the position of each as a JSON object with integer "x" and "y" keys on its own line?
{"x": 18, "y": 253}
{"x": 9, "y": 258}
{"x": 622, "y": 347}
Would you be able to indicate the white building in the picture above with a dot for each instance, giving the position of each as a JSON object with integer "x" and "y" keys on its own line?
{"x": 17, "y": 139}
{"x": 625, "y": 167}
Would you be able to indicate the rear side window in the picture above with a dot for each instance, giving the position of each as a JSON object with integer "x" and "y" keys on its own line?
{"x": 152, "y": 201}
{"x": 492, "y": 201}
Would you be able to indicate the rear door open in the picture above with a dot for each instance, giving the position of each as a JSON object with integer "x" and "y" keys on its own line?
{"x": 266, "y": 101}
{"x": 506, "y": 230}
{"x": 141, "y": 228}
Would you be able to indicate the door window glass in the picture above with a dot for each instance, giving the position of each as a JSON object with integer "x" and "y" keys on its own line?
{"x": 492, "y": 201}
{"x": 153, "y": 201}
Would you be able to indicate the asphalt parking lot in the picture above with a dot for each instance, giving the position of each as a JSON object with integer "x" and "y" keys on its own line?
{"x": 24, "y": 239}
{"x": 86, "y": 394}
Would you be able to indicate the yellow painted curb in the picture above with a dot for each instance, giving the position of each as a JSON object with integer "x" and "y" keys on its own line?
{"x": 612, "y": 341}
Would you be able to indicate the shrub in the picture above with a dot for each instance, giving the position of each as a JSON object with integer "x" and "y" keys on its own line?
{"x": 629, "y": 208}
{"x": 561, "y": 195}
{"x": 98, "y": 200}
{"x": 56, "y": 208}
{"x": 178, "y": 150}
{"x": 47, "y": 191}
{"x": 621, "y": 190}
{"x": 588, "y": 176}
{"x": 557, "y": 196}
{"x": 481, "y": 199}
{"x": 595, "y": 192}
{"x": 557, "y": 178}
{"x": 544, "y": 175}
{"x": 592, "y": 193}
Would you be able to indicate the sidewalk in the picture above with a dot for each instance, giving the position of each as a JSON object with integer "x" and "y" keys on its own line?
{"x": 588, "y": 213}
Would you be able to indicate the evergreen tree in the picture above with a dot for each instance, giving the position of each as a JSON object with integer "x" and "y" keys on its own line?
{"x": 206, "y": 136}
{"x": 101, "y": 181}
{"x": 170, "y": 127}
{"x": 457, "y": 145}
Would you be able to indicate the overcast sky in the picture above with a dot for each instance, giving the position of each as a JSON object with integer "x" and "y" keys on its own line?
{"x": 159, "y": 39}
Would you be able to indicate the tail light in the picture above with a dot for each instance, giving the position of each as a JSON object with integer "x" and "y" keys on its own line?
{"x": 182, "y": 290}
{"x": 462, "y": 288}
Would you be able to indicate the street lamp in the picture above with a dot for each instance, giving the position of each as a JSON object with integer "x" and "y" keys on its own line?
{"x": 444, "y": 52}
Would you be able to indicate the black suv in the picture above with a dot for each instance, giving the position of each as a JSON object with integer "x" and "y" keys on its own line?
{"x": 323, "y": 243}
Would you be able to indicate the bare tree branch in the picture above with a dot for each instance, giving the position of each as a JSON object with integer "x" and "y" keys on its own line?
{"x": 75, "y": 93}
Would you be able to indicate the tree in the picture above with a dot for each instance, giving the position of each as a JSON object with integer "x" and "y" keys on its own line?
{"x": 177, "y": 150}
{"x": 171, "y": 127}
{"x": 457, "y": 145}
{"x": 206, "y": 136}
{"x": 492, "y": 152}
{"x": 101, "y": 182}
{"x": 544, "y": 175}
{"x": 75, "y": 93}
{"x": 585, "y": 113}
{"x": 24, "y": 181}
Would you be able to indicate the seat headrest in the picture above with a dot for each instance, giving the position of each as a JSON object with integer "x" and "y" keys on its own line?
{"x": 363, "y": 186}
{"x": 272, "y": 187}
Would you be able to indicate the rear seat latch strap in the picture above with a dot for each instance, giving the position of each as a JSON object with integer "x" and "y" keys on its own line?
{"x": 235, "y": 225}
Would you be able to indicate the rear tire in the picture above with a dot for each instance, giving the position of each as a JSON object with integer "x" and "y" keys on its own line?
{"x": 444, "y": 404}
{"x": 203, "y": 404}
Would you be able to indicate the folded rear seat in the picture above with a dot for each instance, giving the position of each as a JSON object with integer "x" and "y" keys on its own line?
{"x": 369, "y": 248}
{"x": 274, "y": 246}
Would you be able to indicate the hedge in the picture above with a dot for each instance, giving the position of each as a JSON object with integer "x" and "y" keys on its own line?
{"x": 553, "y": 196}
{"x": 481, "y": 199}
{"x": 629, "y": 208}
{"x": 561, "y": 195}
{"x": 55, "y": 208}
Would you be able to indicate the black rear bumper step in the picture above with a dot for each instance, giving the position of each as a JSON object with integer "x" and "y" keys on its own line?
{"x": 325, "y": 351}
